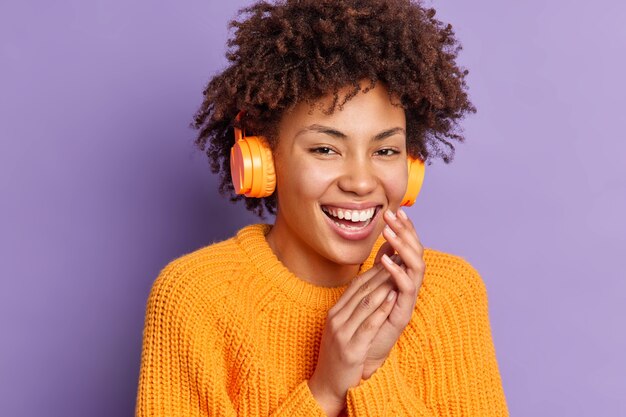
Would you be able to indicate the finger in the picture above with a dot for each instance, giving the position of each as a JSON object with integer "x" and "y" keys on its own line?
{"x": 374, "y": 282}
{"x": 347, "y": 308}
{"x": 366, "y": 321}
{"x": 397, "y": 260}
{"x": 404, "y": 229}
{"x": 412, "y": 258}
{"x": 385, "y": 248}
{"x": 361, "y": 280}
{"x": 404, "y": 235}
{"x": 406, "y": 221}
{"x": 407, "y": 292}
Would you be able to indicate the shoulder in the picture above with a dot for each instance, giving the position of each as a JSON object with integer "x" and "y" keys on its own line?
{"x": 196, "y": 279}
{"x": 452, "y": 299}
{"x": 453, "y": 276}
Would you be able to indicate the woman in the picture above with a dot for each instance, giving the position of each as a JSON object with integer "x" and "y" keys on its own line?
{"x": 337, "y": 308}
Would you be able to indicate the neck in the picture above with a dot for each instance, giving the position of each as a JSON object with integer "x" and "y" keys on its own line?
{"x": 304, "y": 261}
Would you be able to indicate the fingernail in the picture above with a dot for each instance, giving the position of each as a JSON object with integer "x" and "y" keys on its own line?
{"x": 391, "y": 232}
{"x": 387, "y": 259}
{"x": 393, "y": 216}
{"x": 402, "y": 214}
{"x": 391, "y": 295}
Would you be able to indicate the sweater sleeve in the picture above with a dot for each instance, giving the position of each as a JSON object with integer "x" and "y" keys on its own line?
{"x": 177, "y": 377}
{"x": 167, "y": 378}
{"x": 385, "y": 393}
{"x": 300, "y": 403}
{"x": 461, "y": 377}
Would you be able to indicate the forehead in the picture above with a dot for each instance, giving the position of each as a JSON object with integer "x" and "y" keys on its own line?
{"x": 362, "y": 112}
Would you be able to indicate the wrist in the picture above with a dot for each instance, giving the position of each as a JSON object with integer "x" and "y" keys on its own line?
{"x": 331, "y": 404}
{"x": 369, "y": 369}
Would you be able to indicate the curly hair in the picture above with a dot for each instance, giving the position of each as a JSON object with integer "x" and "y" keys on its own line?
{"x": 301, "y": 50}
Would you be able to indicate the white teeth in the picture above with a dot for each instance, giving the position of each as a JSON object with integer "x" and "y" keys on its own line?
{"x": 344, "y": 226}
{"x": 353, "y": 215}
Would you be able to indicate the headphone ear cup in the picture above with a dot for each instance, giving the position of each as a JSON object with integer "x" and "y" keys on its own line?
{"x": 269, "y": 172}
{"x": 263, "y": 173}
{"x": 416, "y": 179}
{"x": 241, "y": 167}
{"x": 252, "y": 167}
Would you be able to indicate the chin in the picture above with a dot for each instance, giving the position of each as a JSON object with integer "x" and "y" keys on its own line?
{"x": 352, "y": 253}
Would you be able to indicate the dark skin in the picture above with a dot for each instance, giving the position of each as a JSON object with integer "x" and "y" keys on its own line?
{"x": 285, "y": 54}
{"x": 290, "y": 52}
{"x": 370, "y": 330}
{"x": 360, "y": 164}
{"x": 351, "y": 165}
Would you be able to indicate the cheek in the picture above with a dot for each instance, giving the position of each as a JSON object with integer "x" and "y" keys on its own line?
{"x": 316, "y": 178}
{"x": 395, "y": 183}
{"x": 301, "y": 182}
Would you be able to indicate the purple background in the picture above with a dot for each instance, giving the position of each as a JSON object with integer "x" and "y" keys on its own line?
{"x": 100, "y": 186}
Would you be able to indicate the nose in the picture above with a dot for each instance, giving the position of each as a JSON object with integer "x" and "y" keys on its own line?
{"x": 358, "y": 177}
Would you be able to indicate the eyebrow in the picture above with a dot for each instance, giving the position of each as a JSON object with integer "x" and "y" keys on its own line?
{"x": 340, "y": 135}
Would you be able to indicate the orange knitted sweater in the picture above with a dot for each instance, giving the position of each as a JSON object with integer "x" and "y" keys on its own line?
{"x": 230, "y": 331}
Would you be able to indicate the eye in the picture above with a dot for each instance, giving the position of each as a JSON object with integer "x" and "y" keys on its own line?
{"x": 322, "y": 150}
{"x": 387, "y": 152}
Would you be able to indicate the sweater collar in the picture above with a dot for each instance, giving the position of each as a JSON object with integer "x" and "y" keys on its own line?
{"x": 273, "y": 272}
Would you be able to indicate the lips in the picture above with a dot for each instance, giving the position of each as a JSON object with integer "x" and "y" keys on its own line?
{"x": 348, "y": 216}
{"x": 351, "y": 223}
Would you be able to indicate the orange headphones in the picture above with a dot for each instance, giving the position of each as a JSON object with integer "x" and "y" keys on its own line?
{"x": 252, "y": 168}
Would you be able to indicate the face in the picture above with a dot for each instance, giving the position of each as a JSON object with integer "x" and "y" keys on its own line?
{"x": 336, "y": 174}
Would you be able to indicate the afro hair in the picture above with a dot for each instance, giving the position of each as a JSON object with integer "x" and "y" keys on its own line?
{"x": 290, "y": 51}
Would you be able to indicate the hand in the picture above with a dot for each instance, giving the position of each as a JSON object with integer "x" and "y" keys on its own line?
{"x": 351, "y": 325}
{"x": 407, "y": 278}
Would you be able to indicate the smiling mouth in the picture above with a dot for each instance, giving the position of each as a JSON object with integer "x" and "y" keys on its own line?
{"x": 351, "y": 219}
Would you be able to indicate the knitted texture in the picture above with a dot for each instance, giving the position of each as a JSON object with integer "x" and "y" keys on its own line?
{"x": 230, "y": 331}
